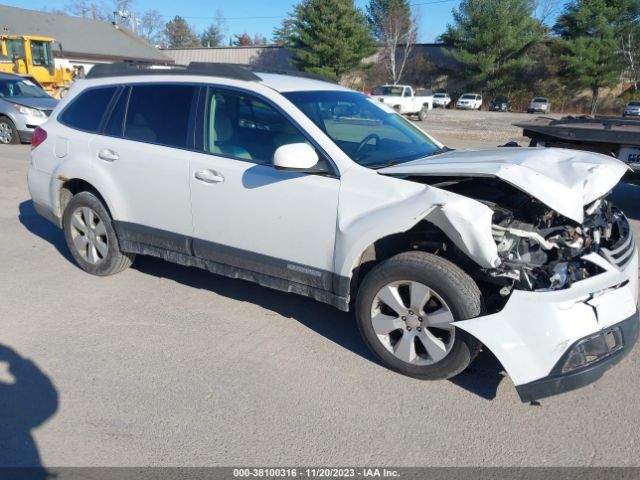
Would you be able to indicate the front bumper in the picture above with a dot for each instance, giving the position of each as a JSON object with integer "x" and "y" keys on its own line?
{"x": 535, "y": 330}
{"x": 560, "y": 382}
{"x": 632, "y": 113}
{"x": 26, "y": 125}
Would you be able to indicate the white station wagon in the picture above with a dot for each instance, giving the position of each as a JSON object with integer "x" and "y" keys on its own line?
{"x": 307, "y": 187}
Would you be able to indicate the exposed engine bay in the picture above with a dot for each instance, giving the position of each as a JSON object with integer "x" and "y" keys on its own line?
{"x": 539, "y": 249}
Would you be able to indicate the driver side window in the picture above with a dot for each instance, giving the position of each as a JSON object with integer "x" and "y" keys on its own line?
{"x": 242, "y": 127}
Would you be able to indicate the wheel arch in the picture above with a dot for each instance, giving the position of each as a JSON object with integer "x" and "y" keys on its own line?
{"x": 423, "y": 236}
{"x": 423, "y": 222}
{"x": 72, "y": 186}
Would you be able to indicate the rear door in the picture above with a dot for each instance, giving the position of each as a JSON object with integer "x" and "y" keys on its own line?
{"x": 144, "y": 153}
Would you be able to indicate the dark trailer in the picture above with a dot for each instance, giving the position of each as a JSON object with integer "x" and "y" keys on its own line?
{"x": 614, "y": 136}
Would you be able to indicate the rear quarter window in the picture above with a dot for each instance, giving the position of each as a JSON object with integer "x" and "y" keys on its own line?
{"x": 85, "y": 112}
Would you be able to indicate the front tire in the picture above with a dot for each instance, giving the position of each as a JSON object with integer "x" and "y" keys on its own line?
{"x": 91, "y": 238}
{"x": 406, "y": 308}
{"x": 8, "y": 132}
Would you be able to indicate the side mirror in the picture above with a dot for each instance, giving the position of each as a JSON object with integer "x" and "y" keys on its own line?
{"x": 297, "y": 157}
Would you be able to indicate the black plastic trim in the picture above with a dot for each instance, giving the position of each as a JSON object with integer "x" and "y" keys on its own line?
{"x": 224, "y": 70}
{"x": 277, "y": 273}
{"x": 558, "y": 382}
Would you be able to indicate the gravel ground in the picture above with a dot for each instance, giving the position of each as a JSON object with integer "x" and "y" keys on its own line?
{"x": 167, "y": 365}
{"x": 469, "y": 129}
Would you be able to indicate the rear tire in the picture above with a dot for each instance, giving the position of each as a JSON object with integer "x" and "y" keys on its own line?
{"x": 8, "y": 133}
{"x": 423, "y": 113}
{"x": 91, "y": 238}
{"x": 401, "y": 332}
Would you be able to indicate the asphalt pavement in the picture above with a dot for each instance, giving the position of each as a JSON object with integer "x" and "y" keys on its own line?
{"x": 167, "y": 365}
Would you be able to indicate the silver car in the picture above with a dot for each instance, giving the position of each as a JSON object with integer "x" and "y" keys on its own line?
{"x": 539, "y": 104}
{"x": 632, "y": 109}
{"x": 24, "y": 105}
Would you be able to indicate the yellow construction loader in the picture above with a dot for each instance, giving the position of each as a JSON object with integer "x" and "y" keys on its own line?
{"x": 32, "y": 56}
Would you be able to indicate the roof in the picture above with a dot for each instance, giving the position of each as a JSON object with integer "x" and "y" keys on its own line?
{"x": 291, "y": 83}
{"x": 81, "y": 37}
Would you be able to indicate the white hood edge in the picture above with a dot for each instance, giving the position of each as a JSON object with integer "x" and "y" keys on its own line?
{"x": 564, "y": 180}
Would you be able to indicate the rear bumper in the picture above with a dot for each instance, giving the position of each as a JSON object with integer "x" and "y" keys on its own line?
{"x": 559, "y": 382}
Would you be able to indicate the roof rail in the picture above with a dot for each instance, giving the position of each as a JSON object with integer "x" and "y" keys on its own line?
{"x": 226, "y": 70}
{"x": 293, "y": 73}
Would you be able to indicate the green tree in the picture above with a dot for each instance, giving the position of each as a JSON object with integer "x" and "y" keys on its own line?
{"x": 489, "y": 40}
{"x": 282, "y": 32}
{"x": 328, "y": 37}
{"x": 396, "y": 31}
{"x": 179, "y": 34}
{"x": 212, "y": 36}
{"x": 591, "y": 31}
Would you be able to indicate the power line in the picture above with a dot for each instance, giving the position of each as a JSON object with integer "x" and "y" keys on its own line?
{"x": 271, "y": 17}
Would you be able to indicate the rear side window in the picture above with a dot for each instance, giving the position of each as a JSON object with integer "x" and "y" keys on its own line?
{"x": 86, "y": 111}
{"x": 160, "y": 114}
{"x": 115, "y": 123}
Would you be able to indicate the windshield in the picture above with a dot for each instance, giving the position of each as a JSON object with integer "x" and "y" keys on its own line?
{"x": 501, "y": 99}
{"x": 634, "y": 104}
{"x": 371, "y": 133}
{"x": 388, "y": 91}
{"x": 20, "y": 88}
{"x": 539, "y": 100}
{"x": 439, "y": 95}
{"x": 468, "y": 96}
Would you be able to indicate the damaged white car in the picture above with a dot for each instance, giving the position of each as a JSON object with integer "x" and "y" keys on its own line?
{"x": 311, "y": 188}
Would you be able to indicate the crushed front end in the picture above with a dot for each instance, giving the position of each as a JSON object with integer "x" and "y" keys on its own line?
{"x": 567, "y": 293}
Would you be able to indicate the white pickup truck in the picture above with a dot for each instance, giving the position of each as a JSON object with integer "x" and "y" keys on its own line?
{"x": 404, "y": 100}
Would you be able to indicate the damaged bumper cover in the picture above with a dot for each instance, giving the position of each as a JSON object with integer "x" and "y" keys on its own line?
{"x": 537, "y": 332}
{"x": 585, "y": 361}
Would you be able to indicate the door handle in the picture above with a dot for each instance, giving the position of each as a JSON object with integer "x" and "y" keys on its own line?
{"x": 108, "y": 155}
{"x": 208, "y": 176}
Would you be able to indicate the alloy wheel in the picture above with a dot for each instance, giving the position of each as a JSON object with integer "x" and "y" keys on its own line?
{"x": 6, "y": 134}
{"x": 89, "y": 235}
{"x": 413, "y": 322}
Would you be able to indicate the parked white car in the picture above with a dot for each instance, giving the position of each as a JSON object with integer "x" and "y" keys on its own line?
{"x": 308, "y": 187}
{"x": 441, "y": 100}
{"x": 632, "y": 109}
{"x": 469, "y": 101}
{"x": 403, "y": 99}
{"x": 539, "y": 105}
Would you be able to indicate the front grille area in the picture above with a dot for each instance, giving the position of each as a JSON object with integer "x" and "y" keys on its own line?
{"x": 621, "y": 252}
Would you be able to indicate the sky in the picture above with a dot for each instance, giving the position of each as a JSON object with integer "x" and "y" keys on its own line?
{"x": 258, "y": 16}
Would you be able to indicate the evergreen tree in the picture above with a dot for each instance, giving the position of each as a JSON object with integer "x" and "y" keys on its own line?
{"x": 591, "y": 31}
{"x": 212, "y": 36}
{"x": 489, "y": 40}
{"x": 328, "y": 37}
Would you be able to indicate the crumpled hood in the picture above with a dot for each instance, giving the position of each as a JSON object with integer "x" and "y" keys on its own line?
{"x": 564, "y": 180}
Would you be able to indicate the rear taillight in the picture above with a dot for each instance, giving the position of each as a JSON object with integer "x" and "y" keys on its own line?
{"x": 39, "y": 136}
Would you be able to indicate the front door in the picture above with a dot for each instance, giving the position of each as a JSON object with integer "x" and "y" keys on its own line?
{"x": 246, "y": 213}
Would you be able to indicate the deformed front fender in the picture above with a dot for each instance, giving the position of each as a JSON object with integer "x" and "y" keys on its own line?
{"x": 362, "y": 222}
